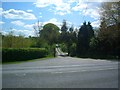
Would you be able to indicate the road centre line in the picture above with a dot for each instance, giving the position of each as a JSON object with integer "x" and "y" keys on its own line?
{"x": 83, "y": 70}
{"x": 60, "y": 70}
{"x": 50, "y": 67}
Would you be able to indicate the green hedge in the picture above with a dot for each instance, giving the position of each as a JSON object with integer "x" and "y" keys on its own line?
{"x": 22, "y": 54}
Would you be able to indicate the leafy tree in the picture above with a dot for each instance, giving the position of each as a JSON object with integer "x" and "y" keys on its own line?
{"x": 50, "y": 33}
{"x": 110, "y": 12}
{"x": 63, "y": 47}
{"x": 8, "y": 40}
{"x": 67, "y": 36}
{"x": 73, "y": 49}
{"x": 109, "y": 40}
{"x": 11, "y": 41}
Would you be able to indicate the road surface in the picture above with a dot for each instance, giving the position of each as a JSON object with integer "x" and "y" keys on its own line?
{"x": 61, "y": 72}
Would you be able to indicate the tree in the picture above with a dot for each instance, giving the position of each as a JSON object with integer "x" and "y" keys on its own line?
{"x": 50, "y": 33}
{"x": 64, "y": 37}
{"x": 37, "y": 28}
{"x": 84, "y": 36}
{"x": 82, "y": 43}
{"x": 64, "y": 27}
{"x": 71, "y": 29}
{"x": 12, "y": 41}
{"x": 109, "y": 40}
{"x": 90, "y": 31}
{"x": 110, "y": 12}
{"x": 67, "y": 36}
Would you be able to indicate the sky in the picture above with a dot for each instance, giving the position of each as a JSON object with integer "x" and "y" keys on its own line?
{"x": 20, "y": 17}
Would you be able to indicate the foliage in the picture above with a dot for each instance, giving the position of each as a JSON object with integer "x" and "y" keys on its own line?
{"x": 109, "y": 40}
{"x": 67, "y": 36}
{"x": 50, "y": 33}
{"x": 93, "y": 43}
{"x": 73, "y": 50}
{"x": 64, "y": 27}
{"x": 82, "y": 42}
{"x": 84, "y": 36}
{"x": 11, "y": 41}
{"x": 110, "y": 12}
{"x": 15, "y": 54}
{"x": 63, "y": 47}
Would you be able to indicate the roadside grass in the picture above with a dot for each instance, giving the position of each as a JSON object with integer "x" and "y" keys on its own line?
{"x": 31, "y": 60}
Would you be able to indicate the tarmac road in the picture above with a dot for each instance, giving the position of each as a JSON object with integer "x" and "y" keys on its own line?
{"x": 61, "y": 72}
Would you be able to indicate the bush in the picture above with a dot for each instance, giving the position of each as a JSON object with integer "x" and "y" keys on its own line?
{"x": 63, "y": 47}
{"x": 21, "y": 54}
{"x": 73, "y": 50}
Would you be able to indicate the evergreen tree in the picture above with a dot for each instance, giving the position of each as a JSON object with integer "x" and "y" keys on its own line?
{"x": 84, "y": 35}
{"x": 71, "y": 29}
{"x": 90, "y": 31}
{"x": 64, "y": 27}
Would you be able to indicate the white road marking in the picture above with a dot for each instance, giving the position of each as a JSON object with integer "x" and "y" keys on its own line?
{"x": 20, "y": 74}
{"x": 47, "y": 67}
{"x": 83, "y": 70}
{"x": 56, "y": 72}
{"x": 60, "y": 69}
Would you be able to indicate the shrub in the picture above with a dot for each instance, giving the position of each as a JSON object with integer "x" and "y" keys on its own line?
{"x": 21, "y": 54}
{"x": 63, "y": 47}
{"x": 73, "y": 50}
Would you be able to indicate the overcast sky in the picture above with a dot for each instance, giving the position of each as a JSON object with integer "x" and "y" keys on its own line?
{"x": 21, "y": 16}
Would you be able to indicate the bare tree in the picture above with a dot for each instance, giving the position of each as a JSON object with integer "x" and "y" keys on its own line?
{"x": 37, "y": 28}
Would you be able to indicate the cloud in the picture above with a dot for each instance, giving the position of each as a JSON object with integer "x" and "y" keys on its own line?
{"x": 1, "y": 10}
{"x": 54, "y": 21}
{"x": 1, "y": 22}
{"x": 18, "y": 32}
{"x": 58, "y": 23}
{"x": 45, "y": 3}
{"x": 18, "y": 14}
{"x": 59, "y": 7}
{"x": 29, "y": 26}
{"x": 96, "y": 23}
{"x": 18, "y": 23}
{"x": 40, "y": 16}
{"x": 29, "y": 31}
{"x": 80, "y": 6}
{"x": 23, "y": 32}
{"x": 92, "y": 13}
{"x": 62, "y": 8}
{"x": 3, "y": 32}
{"x": 29, "y": 11}
{"x": 42, "y": 3}
{"x": 87, "y": 9}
